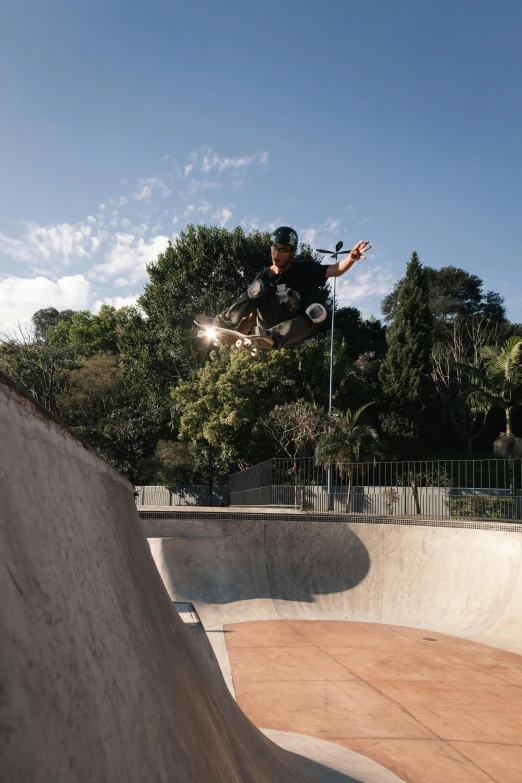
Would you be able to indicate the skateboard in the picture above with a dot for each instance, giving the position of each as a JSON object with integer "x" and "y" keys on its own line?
{"x": 215, "y": 333}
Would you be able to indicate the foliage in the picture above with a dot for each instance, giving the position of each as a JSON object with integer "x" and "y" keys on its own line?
{"x": 97, "y": 405}
{"x": 347, "y": 440}
{"x": 456, "y": 357}
{"x": 405, "y": 373}
{"x": 498, "y": 384}
{"x": 507, "y": 446}
{"x": 360, "y": 335}
{"x": 295, "y": 426}
{"x": 35, "y": 364}
{"x": 313, "y": 377}
{"x": 46, "y": 318}
{"x": 483, "y": 506}
{"x": 227, "y": 401}
{"x": 92, "y": 391}
{"x": 84, "y": 333}
{"x": 452, "y": 293}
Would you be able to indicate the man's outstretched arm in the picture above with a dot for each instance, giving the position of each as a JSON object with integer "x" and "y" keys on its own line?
{"x": 357, "y": 252}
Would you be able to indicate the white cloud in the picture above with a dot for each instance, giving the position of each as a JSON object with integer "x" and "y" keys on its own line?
{"x": 365, "y": 288}
{"x": 206, "y": 160}
{"x": 59, "y": 242}
{"x": 222, "y": 216}
{"x": 127, "y": 259}
{"x": 365, "y": 220}
{"x": 191, "y": 209}
{"x": 321, "y": 234}
{"x": 250, "y": 224}
{"x": 21, "y": 297}
{"x": 308, "y": 236}
{"x": 146, "y": 186}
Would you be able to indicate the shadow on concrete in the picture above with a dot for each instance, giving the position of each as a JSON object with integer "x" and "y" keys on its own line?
{"x": 318, "y": 772}
{"x": 227, "y": 561}
{"x": 317, "y": 559}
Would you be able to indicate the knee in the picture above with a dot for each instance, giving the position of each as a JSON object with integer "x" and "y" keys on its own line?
{"x": 260, "y": 293}
{"x": 316, "y": 314}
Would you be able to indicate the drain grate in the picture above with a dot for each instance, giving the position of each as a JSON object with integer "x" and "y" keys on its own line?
{"x": 187, "y": 613}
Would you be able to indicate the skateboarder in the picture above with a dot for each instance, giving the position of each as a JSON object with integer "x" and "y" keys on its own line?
{"x": 280, "y": 301}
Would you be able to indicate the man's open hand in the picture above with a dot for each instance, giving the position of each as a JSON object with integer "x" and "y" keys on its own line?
{"x": 360, "y": 249}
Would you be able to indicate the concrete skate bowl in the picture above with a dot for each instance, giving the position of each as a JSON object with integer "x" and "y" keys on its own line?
{"x": 466, "y": 582}
{"x": 400, "y": 642}
{"x": 99, "y": 678}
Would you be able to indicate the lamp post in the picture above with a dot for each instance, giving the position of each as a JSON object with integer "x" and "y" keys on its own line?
{"x": 333, "y": 254}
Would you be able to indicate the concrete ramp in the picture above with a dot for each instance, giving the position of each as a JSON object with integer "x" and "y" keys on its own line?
{"x": 99, "y": 678}
{"x": 465, "y": 582}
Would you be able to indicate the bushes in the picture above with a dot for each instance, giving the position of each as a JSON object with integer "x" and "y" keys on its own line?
{"x": 488, "y": 506}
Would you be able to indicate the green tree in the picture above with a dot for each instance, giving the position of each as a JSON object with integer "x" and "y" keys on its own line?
{"x": 98, "y": 405}
{"x": 360, "y": 335}
{"x": 43, "y": 319}
{"x": 453, "y": 293}
{"x": 92, "y": 391}
{"x": 405, "y": 373}
{"x": 348, "y": 440}
{"x": 87, "y": 334}
{"x": 313, "y": 359}
{"x": 457, "y": 358}
{"x": 40, "y": 367}
{"x": 226, "y": 402}
{"x": 295, "y": 426}
{"x": 498, "y": 384}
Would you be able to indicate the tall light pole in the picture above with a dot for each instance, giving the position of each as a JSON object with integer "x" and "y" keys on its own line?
{"x": 333, "y": 254}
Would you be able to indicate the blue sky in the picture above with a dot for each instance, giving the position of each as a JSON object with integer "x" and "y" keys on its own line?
{"x": 398, "y": 121}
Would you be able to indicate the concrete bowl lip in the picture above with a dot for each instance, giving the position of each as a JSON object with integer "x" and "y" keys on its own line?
{"x": 335, "y": 757}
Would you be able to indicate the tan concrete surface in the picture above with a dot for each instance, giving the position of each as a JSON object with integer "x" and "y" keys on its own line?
{"x": 99, "y": 678}
{"x": 432, "y": 709}
{"x": 462, "y": 582}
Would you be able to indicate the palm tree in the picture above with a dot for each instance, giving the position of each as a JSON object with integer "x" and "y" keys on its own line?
{"x": 348, "y": 441}
{"x": 498, "y": 384}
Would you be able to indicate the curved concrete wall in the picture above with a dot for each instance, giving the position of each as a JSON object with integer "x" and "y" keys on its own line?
{"x": 463, "y": 582}
{"x": 99, "y": 678}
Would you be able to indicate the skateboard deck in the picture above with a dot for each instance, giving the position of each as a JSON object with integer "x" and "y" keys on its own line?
{"x": 231, "y": 337}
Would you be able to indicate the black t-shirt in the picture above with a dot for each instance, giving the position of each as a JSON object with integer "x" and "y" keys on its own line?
{"x": 296, "y": 288}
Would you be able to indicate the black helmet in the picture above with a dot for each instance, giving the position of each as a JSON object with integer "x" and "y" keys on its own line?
{"x": 285, "y": 236}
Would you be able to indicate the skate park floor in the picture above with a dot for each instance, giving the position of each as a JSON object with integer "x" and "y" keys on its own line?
{"x": 426, "y": 706}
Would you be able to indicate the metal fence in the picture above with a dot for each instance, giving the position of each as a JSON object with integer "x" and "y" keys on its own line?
{"x": 253, "y": 487}
{"x": 478, "y": 489}
{"x": 154, "y": 495}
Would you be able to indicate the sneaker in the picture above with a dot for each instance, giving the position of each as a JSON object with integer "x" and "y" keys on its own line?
{"x": 269, "y": 341}
{"x": 220, "y": 321}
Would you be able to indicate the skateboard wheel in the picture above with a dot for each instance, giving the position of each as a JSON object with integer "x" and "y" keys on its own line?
{"x": 201, "y": 333}
{"x": 254, "y": 351}
{"x": 239, "y": 343}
